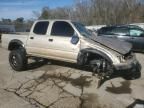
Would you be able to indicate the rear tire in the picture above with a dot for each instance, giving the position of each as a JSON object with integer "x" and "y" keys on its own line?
{"x": 18, "y": 60}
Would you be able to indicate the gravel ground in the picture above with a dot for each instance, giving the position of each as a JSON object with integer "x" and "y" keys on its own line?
{"x": 62, "y": 85}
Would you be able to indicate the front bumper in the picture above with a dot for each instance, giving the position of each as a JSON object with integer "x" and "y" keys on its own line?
{"x": 129, "y": 64}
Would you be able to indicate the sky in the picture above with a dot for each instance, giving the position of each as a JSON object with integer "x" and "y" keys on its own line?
{"x": 24, "y": 8}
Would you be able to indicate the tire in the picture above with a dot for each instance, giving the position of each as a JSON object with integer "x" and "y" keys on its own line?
{"x": 18, "y": 60}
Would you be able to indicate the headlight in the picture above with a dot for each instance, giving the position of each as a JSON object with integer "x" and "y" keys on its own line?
{"x": 121, "y": 58}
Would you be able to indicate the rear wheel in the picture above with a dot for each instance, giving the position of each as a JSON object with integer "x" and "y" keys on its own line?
{"x": 18, "y": 60}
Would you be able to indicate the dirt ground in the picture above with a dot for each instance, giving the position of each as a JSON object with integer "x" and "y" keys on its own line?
{"x": 63, "y": 85}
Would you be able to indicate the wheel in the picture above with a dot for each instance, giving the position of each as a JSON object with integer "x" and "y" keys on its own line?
{"x": 18, "y": 60}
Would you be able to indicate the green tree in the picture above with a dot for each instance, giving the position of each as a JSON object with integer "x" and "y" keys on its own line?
{"x": 19, "y": 24}
{"x": 45, "y": 14}
{"x": 6, "y": 21}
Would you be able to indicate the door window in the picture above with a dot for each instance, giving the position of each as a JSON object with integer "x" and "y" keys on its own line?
{"x": 114, "y": 31}
{"x": 62, "y": 28}
{"x": 105, "y": 31}
{"x": 41, "y": 27}
{"x": 136, "y": 32}
{"x": 120, "y": 31}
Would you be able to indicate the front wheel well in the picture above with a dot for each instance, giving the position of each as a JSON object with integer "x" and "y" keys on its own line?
{"x": 98, "y": 61}
{"x": 86, "y": 56}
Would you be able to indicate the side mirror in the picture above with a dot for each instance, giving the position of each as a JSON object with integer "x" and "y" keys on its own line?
{"x": 74, "y": 39}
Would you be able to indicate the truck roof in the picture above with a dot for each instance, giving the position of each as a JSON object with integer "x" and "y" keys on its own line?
{"x": 55, "y": 20}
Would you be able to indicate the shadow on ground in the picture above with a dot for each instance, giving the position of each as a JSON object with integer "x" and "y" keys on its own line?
{"x": 77, "y": 82}
{"x": 39, "y": 64}
{"x": 125, "y": 74}
{"x": 123, "y": 89}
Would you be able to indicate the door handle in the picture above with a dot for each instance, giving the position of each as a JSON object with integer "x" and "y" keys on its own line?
{"x": 31, "y": 37}
{"x": 50, "y": 40}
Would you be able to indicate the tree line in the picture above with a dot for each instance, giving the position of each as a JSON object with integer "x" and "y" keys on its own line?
{"x": 20, "y": 23}
{"x": 90, "y": 12}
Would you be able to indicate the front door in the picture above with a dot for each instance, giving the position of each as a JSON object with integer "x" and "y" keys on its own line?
{"x": 60, "y": 41}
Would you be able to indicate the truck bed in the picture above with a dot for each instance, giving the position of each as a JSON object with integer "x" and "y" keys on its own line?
{"x": 6, "y": 38}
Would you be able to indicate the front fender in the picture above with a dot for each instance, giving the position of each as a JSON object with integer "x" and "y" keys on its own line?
{"x": 83, "y": 56}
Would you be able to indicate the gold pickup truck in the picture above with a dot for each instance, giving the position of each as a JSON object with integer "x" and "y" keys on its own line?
{"x": 69, "y": 41}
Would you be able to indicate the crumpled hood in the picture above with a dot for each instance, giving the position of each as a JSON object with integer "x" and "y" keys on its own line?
{"x": 115, "y": 44}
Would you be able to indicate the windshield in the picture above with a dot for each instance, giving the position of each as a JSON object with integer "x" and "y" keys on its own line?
{"x": 81, "y": 28}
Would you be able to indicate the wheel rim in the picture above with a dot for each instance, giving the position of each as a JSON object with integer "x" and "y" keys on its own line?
{"x": 14, "y": 61}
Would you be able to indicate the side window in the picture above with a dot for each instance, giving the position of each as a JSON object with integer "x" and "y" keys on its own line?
{"x": 41, "y": 27}
{"x": 136, "y": 32}
{"x": 105, "y": 31}
{"x": 61, "y": 28}
{"x": 121, "y": 31}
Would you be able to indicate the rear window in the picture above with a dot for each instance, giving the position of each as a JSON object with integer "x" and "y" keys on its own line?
{"x": 41, "y": 27}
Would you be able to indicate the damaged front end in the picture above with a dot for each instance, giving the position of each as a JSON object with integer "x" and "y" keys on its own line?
{"x": 107, "y": 62}
{"x": 128, "y": 61}
{"x": 99, "y": 62}
{"x": 125, "y": 59}
{"x": 130, "y": 68}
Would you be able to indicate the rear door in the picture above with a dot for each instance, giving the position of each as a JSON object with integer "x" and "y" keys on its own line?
{"x": 37, "y": 43}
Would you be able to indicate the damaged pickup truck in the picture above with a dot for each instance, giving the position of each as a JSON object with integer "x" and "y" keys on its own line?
{"x": 69, "y": 41}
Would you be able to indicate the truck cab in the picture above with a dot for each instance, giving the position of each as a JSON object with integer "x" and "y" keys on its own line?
{"x": 52, "y": 39}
